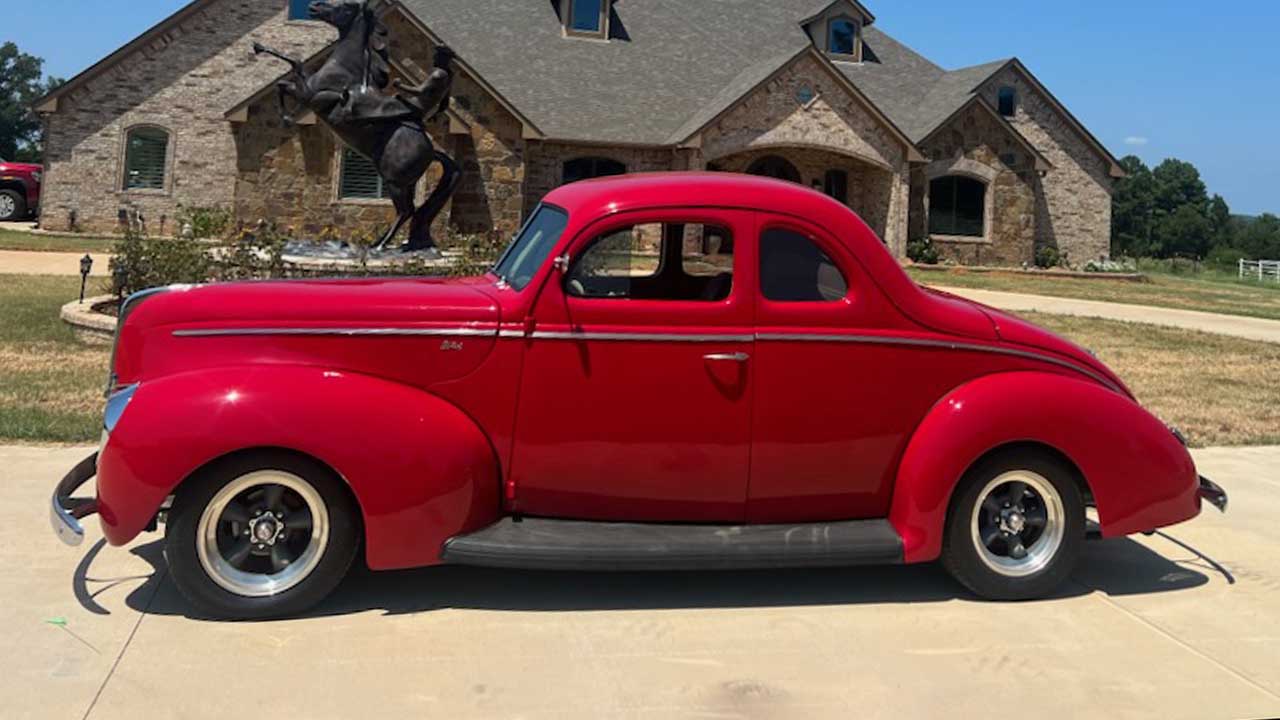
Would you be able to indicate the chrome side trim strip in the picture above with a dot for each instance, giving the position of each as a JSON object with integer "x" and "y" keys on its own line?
{"x": 643, "y": 337}
{"x": 939, "y": 344}
{"x": 511, "y": 334}
{"x": 344, "y": 332}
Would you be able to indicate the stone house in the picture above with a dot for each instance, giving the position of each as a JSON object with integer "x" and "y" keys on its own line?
{"x": 982, "y": 159}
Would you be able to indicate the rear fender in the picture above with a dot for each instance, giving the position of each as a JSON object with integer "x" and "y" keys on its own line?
{"x": 420, "y": 469}
{"x": 1140, "y": 475}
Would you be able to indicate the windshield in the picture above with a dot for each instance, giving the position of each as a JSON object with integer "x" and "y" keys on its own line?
{"x": 530, "y": 249}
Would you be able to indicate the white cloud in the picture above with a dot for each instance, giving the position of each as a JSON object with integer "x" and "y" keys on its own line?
{"x": 1136, "y": 140}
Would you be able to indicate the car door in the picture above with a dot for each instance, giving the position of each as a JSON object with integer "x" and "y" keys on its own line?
{"x": 826, "y": 428}
{"x": 635, "y": 391}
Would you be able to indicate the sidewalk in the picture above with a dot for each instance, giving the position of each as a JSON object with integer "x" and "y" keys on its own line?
{"x": 1234, "y": 325}
{"x": 25, "y": 262}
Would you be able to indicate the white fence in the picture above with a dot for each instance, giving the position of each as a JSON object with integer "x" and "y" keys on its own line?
{"x": 1260, "y": 269}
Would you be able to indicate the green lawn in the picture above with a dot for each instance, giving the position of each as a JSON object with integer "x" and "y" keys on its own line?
{"x": 1207, "y": 292}
{"x": 52, "y": 389}
{"x": 15, "y": 240}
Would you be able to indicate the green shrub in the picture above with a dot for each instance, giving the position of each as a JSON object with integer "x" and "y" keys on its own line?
{"x": 1048, "y": 256}
{"x": 923, "y": 251}
{"x": 1225, "y": 258}
{"x": 139, "y": 262}
{"x": 203, "y": 222}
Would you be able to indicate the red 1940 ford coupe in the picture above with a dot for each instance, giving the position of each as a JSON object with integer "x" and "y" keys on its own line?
{"x": 662, "y": 372}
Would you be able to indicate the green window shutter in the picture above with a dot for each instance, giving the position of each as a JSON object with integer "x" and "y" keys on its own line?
{"x": 145, "y": 159}
{"x": 360, "y": 179}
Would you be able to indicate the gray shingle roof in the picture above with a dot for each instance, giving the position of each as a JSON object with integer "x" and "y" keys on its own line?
{"x": 679, "y": 66}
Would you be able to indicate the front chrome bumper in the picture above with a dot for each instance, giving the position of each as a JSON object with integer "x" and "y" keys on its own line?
{"x": 1213, "y": 493}
{"x": 66, "y": 511}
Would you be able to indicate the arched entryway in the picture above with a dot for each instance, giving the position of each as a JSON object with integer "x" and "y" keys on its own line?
{"x": 865, "y": 188}
{"x": 775, "y": 166}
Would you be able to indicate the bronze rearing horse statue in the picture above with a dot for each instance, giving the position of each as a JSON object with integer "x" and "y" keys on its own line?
{"x": 348, "y": 94}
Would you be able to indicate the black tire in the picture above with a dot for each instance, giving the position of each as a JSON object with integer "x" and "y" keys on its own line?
{"x": 970, "y": 561}
{"x": 182, "y": 533}
{"x": 19, "y": 210}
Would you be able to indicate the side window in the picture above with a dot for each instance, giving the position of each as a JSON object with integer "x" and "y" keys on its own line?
{"x": 656, "y": 261}
{"x": 794, "y": 269}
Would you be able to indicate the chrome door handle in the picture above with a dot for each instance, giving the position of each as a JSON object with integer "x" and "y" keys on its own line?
{"x": 738, "y": 357}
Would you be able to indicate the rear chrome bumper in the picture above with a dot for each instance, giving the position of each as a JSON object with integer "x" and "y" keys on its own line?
{"x": 1211, "y": 492}
{"x": 66, "y": 511}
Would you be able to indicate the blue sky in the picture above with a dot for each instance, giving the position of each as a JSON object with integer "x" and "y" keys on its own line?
{"x": 1172, "y": 78}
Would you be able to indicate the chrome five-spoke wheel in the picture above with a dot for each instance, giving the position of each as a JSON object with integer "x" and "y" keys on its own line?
{"x": 259, "y": 535}
{"x": 263, "y": 533}
{"x": 1015, "y": 526}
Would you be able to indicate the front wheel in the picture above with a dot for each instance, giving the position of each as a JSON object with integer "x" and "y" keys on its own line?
{"x": 13, "y": 206}
{"x": 260, "y": 536}
{"x": 1016, "y": 527}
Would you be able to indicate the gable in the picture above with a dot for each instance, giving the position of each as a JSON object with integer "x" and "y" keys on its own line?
{"x": 777, "y": 114}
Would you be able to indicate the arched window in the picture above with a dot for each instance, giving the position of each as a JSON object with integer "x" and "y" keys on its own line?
{"x": 1008, "y": 99}
{"x": 842, "y": 37}
{"x": 591, "y": 167}
{"x": 146, "y": 158}
{"x": 836, "y": 184}
{"x": 957, "y": 206}
{"x": 774, "y": 167}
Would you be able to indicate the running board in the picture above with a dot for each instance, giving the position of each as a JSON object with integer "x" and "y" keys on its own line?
{"x": 543, "y": 544}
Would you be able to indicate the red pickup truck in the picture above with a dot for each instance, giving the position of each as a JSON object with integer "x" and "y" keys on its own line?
{"x": 19, "y": 190}
{"x": 678, "y": 372}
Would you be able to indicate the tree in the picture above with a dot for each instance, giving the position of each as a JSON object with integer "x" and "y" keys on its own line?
{"x": 20, "y": 86}
{"x": 1219, "y": 214}
{"x": 1184, "y": 233}
{"x": 1132, "y": 208}
{"x": 1260, "y": 237}
{"x": 1178, "y": 183}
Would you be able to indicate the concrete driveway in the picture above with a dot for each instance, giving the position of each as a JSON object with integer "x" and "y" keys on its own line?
{"x": 1184, "y": 625}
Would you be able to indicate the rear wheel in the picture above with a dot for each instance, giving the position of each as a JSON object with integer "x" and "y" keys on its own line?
{"x": 1016, "y": 527}
{"x": 261, "y": 536}
{"x": 12, "y": 205}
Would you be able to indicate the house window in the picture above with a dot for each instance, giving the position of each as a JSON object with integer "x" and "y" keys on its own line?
{"x": 957, "y": 206}
{"x": 775, "y": 167}
{"x": 359, "y": 178}
{"x": 1008, "y": 98}
{"x": 591, "y": 167}
{"x": 299, "y": 9}
{"x": 836, "y": 184}
{"x": 842, "y": 37}
{"x": 794, "y": 269}
{"x": 587, "y": 16}
{"x": 146, "y": 158}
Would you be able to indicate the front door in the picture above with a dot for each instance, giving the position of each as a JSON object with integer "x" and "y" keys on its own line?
{"x": 635, "y": 395}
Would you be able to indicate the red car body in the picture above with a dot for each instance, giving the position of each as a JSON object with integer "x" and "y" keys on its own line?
{"x": 446, "y": 405}
{"x": 22, "y": 179}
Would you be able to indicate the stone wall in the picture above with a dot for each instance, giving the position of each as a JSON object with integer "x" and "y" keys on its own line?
{"x": 977, "y": 145}
{"x": 183, "y": 81}
{"x": 1073, "y": 201}
{"x": 870, "y": 187}
{"x": 544, "y": 170}
{"x": 777, "y": 116}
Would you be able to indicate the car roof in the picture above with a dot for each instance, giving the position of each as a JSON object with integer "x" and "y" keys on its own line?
{"x": 621, "y": 193}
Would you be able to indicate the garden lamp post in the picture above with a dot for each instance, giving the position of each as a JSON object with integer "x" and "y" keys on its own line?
{"x": 120, "y": 275}
{"x": 86, "y": 266}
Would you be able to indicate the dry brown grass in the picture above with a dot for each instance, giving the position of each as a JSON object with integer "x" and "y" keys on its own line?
{"x": 1219, "y": 390}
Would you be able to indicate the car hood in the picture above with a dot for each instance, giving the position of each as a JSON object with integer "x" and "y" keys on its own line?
{"x": 329, "y": 304}
{"x": 19, "y": 167}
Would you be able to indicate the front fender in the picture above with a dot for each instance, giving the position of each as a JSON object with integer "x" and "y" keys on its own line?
{"x": 1140, "y": 475}
{"x": 420, "y": 469}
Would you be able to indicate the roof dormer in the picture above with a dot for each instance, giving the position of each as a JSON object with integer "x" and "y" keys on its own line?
{"x": 837, "y": 30}
{"x": 586, "y": 18}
